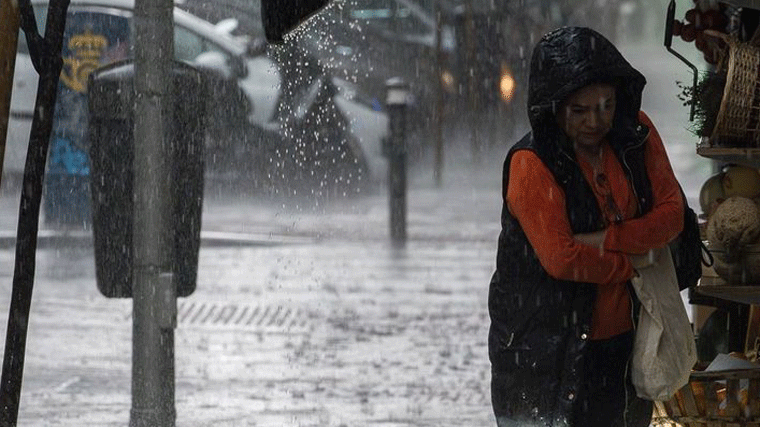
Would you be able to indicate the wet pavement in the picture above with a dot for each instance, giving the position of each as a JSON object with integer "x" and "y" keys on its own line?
{"x": 309, "y": 317}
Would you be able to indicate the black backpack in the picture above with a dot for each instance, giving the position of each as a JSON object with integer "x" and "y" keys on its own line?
{"x": 688, "y": 250}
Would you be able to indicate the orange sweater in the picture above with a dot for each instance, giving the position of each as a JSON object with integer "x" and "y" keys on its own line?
{"x": 536, "y": 200}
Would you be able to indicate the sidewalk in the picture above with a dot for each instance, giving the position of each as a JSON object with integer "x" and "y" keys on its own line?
{"x": 314, "y": 319}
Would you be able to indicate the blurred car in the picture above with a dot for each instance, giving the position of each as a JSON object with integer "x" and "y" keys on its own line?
{"x": 270, "y": 127}
{"x": 241, "y": 20}
{"x": 360, "y": 42}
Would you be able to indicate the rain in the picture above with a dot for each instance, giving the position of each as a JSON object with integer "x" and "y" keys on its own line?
{"x": 288, "y": 175}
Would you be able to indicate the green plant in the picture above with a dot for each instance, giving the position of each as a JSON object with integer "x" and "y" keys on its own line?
{"x": 706, "y": 97}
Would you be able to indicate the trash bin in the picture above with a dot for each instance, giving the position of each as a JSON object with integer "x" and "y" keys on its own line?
{"x": 111, "y": 108}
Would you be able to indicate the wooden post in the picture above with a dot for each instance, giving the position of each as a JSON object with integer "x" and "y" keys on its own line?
{"x": 9, "y": 16}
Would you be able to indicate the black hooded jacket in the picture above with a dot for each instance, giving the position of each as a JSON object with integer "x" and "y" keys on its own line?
{"x": 540, "y": 325}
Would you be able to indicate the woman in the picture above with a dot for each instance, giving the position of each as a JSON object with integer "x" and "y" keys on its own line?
{"x": 587, "y": 194}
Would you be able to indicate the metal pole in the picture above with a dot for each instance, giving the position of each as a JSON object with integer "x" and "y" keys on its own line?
{"x": 438, "y": 168}
{"x": 398, "y": 93}
{"x": 9, "y": 16}
{"x": 154, "y": 296}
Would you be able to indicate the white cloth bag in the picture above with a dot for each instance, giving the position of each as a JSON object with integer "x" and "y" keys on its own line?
{"x": 664, "y": 350}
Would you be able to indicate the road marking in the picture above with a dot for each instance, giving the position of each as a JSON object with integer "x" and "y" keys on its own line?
{"x": 265, "y": 318}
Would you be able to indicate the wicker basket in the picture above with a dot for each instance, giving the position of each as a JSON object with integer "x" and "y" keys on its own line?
{"x": 738, "y": 120}
{"x": 713, "y": 399}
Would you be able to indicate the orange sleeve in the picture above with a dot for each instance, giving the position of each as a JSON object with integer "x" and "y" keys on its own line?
{"x": 538, "y": 203}
{"x": 663, "y": 223}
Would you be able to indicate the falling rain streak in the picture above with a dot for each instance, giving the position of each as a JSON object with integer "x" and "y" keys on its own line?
{"x": 310, "y": 312}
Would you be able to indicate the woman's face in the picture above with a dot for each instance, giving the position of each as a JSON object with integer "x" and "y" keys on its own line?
{"x": 586, "y": 116}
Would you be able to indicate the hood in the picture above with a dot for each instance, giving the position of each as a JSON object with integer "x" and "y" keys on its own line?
{"x": 570, "y": 58}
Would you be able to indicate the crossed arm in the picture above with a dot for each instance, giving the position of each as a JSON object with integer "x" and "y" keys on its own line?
{"x": 607, "y": 256}
{"x": 596, "y": 239}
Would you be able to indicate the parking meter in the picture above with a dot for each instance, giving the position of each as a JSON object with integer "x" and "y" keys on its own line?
{"x": 111, "y": 107}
